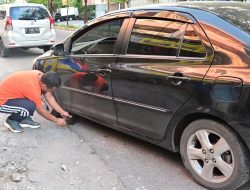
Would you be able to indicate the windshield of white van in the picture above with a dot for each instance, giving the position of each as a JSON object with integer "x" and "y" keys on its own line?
{"x": 28, "y": 13}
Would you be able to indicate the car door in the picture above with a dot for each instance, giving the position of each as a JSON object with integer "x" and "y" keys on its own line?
{"x": 164, "y": 56}
{"x": 86, "y": 70}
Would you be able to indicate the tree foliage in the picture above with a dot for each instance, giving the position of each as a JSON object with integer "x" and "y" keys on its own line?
{"x": 118, "y": 1}
{"x": 78, "y": 4}
{"x": 56, "y": 4}
{"x": 45, "y": 2}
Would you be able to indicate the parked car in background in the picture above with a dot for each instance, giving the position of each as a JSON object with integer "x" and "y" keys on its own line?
{"x": 25, "y": 26}
{"x": 174, "y": 75}
{"x": 63, "y": 13}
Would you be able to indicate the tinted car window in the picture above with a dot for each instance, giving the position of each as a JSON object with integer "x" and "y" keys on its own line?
{"x": 156, "y": 37}
{"x": 99, "y": 40}
{"x": 28, "y": 13}
{"x": 191, "y": 45}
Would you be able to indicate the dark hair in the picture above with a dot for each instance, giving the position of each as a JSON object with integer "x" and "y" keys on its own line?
{"x": 51, "y": 79}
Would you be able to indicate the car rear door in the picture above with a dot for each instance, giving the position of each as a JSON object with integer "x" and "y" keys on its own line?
{"x": 86, "y": 70}
{"x": 165, "y": 55}
{"x": 30, "y": 23}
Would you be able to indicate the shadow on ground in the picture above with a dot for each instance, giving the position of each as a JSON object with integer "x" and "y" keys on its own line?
{"x": 18, "y": 52}
{"x": 146, "y": 147}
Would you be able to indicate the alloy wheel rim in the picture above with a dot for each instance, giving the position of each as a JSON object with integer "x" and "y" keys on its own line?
{"x": 210, "y": 156}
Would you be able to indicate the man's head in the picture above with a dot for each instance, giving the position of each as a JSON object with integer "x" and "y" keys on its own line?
{"x": 49, "y": 81}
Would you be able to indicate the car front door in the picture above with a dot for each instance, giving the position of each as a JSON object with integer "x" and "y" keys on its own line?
{"x": 163, "y": 59}
{"x": 86, "y": 70}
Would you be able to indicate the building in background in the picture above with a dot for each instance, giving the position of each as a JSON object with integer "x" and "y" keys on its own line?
{"x": 100, "y": 7}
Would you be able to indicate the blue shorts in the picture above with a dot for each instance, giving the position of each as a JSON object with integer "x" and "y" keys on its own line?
{"x": 18, "y": 108}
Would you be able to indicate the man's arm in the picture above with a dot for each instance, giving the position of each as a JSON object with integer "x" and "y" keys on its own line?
{"x": 44, "y": 113}
{"x": 52, "y": 102}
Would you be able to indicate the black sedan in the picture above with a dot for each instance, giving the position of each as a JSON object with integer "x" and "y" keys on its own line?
{"x": 175, "y": 75}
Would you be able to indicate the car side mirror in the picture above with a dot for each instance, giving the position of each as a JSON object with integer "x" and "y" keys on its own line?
{"x": 59, "y": 50}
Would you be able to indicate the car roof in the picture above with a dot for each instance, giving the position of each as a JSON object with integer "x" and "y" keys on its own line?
{"x": 195, "y": 8}
{"x": 211, "y": 6}
{"x": 22, "y": 4}
{"x": 235, "y": 16}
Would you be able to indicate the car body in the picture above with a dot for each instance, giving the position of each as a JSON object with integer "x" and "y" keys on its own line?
{"x": 68, "y": 13}
{"x": 25, "y": 25}
{"x": 58, "y": 17}
{"x": 176, "y": 75}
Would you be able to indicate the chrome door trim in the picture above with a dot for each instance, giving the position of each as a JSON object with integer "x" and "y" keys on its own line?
{"x": 88, "y": 93}
{"x": 118, "y": 100}
{"x": 134, "y": 56}
{"x": 142, "y": 105}
{"x": 92, "y": 55}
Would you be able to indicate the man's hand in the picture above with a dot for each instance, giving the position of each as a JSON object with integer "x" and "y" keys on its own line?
{"x": 52, "y": 102}
{"x": 47, "y": 115}
{"x": 65, "y": 115}
{"x": 61, "y": 122}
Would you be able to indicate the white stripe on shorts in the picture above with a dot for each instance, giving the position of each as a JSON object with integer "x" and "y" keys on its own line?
{"x": 14, "y": 109}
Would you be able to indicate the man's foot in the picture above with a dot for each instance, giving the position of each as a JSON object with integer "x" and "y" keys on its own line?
{"x": 28, "y": 122}
{"x": 13, "y": 126}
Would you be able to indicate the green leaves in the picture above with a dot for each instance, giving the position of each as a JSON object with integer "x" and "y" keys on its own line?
{"x": 118, "y": 1}
{"x": 45, "y": 2}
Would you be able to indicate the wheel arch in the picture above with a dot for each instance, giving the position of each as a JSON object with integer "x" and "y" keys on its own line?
{"x": 186, "y": 120}
{"x": 1, "y": 38}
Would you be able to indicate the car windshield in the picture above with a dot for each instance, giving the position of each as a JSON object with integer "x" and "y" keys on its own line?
{"x": 28, "y": 13}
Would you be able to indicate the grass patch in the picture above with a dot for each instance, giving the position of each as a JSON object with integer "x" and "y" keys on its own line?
{"x": 65, "y": 27}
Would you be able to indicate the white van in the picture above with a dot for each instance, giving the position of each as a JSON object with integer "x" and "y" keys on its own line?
{"x": 25, "y": 25}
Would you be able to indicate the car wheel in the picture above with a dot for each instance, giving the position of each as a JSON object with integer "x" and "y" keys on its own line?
{"x": 4, "y": 52}
{"x": 214, "y": 155}
{"x": 70, "y": 121}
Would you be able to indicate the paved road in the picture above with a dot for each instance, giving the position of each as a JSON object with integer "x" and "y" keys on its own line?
{"x": 84, "y": 156}
{"x": 77, "y": 23}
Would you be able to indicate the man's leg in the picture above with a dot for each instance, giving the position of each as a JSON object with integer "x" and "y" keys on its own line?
{"x": 20, "y": 110}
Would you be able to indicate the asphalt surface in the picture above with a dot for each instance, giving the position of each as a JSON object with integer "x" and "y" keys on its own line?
{"x": 77, "y": 23}
{"x": 84, "y": 156}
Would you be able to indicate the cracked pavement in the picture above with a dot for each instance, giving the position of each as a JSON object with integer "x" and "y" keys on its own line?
{"x": 37, "y": 155}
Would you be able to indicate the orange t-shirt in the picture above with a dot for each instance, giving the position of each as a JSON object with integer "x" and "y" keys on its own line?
{"x": 23, "y": 84}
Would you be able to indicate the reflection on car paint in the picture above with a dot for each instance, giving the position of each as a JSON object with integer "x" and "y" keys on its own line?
{"x": 88, "y": 81}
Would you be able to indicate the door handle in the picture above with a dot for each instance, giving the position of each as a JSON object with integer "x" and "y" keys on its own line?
{"x": 178, "y": 78}
{"x": 104, "y": 70}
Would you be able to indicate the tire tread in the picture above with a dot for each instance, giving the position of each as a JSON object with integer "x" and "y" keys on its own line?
{"x": 241, "y": 176}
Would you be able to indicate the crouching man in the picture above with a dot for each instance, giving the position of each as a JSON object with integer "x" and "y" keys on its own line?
{"x": 20, "y": 96}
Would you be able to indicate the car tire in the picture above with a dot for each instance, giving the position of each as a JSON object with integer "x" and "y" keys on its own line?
{"x": 214, "y": 155}
{"x": 70, "y": 121}
{"x": 4, "y": 52}
{"x": 46, "y": 48}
